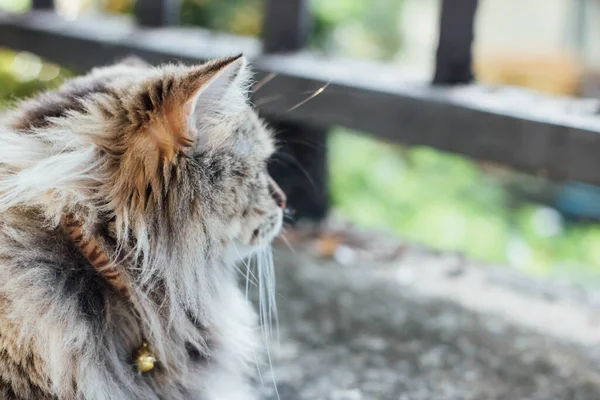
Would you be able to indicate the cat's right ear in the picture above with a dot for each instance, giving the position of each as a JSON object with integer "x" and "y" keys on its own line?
{"x": 225, "y": 90}
{"x": 168, "y": 106}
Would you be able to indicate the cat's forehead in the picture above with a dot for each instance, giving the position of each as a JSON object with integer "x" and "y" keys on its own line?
{"x": 251, "y": 137}
{"x": 115, "y": 76}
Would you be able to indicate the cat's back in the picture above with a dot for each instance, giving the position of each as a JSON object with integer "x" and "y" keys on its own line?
{"x": 22, "y": 373}
{"x": 21, "y": 370}
{"x": 48, "y": 302}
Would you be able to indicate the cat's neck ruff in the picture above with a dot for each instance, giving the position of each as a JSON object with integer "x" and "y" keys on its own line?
{"x": 92, "y": 250}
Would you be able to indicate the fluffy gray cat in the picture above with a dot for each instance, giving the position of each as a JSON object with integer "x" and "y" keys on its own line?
{"x": 126, "y": 198}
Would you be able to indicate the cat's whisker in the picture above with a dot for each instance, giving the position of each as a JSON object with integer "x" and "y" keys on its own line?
{"x": 266, "y": 100}
{"x": 312, "y": 96}
{"x": 269, "y": 276}
{"x": 248, "y": 275}
{"x": 239, "y": 271}
{"x": 270, "y": 99}
{"x": 258, "y": 370}
{"x": 272, "y": 289}
{"x": 286, "y": 241}
{"x": 297, "y": 164}
{"x": 314, "y": 144}
{"x": 258, "y": 85}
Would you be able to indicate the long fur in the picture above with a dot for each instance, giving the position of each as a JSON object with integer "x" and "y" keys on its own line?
{"x": 166, "y": 169}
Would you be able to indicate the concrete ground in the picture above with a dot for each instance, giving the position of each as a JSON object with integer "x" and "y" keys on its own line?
{"x": 429, "y": 327}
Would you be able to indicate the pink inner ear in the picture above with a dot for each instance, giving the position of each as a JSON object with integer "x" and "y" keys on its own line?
{"x": 188, "y": 107}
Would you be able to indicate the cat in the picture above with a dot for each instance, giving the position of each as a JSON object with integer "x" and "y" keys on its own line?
{"x": 126, "y": 198}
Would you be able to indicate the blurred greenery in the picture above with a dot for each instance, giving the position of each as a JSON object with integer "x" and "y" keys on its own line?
{"x": 451, "y": 203}
{"x": 242, "y": 17}
{"x": 15, "y": 5}
{"x": 441, "y": 200}
{"x": 24, "y": 74}
{"x": 359, "y": 28}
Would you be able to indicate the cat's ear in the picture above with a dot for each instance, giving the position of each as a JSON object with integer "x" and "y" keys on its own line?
{"x": 181, "y": 100}
{"x": 225, "y": 88}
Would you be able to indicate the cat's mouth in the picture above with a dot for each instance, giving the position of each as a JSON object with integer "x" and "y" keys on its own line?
{"x": 267, "y": 230}
{"x": 258, "y": 238}
{"x": 258, "y": 229}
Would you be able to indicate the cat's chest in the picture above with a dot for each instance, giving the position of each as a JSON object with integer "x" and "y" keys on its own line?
{"x": 196, "y": 340}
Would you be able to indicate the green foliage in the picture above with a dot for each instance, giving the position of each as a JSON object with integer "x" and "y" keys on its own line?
{"x": 243, "y": 17}
{"x": 14, "y": 84}
{"x": 357, "y": 28}
{"x": 361, "y": 28}
{"x": 17, "y": 6}
{"x": 450, "y": 203}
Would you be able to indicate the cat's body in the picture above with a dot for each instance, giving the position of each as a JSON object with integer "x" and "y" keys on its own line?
{"x": 165, "y": 172}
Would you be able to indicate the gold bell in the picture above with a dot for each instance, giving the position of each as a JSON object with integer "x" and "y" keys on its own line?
{"x": 144, "y": 358}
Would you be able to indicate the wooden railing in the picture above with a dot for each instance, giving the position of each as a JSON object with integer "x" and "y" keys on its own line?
{"x": 531, "y": 132}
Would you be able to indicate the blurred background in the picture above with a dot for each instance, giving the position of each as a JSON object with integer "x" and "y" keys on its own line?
{"x": 447, "y": 202}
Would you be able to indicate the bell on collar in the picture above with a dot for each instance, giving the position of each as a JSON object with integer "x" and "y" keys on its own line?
{"x": 144, "y": 358}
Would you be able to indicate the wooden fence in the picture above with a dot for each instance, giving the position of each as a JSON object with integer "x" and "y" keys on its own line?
{"x": 530, "y": 132}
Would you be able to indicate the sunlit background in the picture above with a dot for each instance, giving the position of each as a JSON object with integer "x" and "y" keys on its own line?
{"x": 425, "y": 196}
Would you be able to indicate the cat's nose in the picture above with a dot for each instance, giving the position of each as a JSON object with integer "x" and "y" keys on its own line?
{"x": 277, "y": 194}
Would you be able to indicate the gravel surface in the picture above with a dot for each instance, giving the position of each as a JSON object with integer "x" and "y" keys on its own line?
{"x": 350, "y": 333}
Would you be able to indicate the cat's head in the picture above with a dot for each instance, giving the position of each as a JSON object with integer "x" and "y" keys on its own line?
{"x": 177, "y": 151}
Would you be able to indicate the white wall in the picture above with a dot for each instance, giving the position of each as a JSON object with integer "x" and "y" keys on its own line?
{"x": 513, "y": 27}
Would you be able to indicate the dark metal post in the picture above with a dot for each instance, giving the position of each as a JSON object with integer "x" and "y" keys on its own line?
{"x": 300, "y": 167}
{"x": 453, "y": 59}
{"x": 287, "y": 25}
{"x": 42, "y": 4}
{"x": 157, "y": 13}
